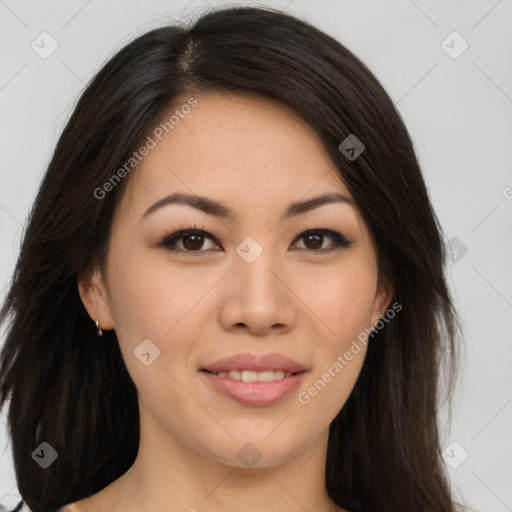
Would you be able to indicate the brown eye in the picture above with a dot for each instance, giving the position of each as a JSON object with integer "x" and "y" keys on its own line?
{"x": 187, "y": 241}
{"x": 314, "y": 240}
{"x": 193, "y": 241}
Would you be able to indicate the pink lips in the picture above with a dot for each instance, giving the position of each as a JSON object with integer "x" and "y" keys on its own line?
{"x": 261, "y": 363}
{"x": 255, "y": 393}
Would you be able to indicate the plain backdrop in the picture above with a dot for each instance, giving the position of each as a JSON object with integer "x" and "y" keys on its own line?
{"x": 454, "y": 91}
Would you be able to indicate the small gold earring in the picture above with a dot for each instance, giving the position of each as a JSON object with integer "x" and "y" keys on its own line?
{"x": 100, "y": 332}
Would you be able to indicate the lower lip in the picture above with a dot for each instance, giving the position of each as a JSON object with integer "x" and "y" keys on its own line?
{"x": 255, "y": 393}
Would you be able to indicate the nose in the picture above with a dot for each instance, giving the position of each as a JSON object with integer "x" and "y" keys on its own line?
{"x": 258, "y": 297}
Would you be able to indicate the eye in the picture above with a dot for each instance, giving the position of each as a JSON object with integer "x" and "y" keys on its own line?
{"x": 193, "y": 240}
{"x": 314, "y": 240}
{"x": 186, "y": 240}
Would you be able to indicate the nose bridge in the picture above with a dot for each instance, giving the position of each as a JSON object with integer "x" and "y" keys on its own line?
{"x": 254, "y": 267}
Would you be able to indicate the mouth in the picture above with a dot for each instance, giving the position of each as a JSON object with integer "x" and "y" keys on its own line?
{"x": 254, "y": 376}
{"x": 254, "y": 379}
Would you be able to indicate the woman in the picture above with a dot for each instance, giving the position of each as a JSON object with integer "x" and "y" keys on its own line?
{"x": 231, "y": 287}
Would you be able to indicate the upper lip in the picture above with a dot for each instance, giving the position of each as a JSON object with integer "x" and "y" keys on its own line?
{"x": 257, "y": 363}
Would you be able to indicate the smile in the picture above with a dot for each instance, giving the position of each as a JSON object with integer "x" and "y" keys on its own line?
{"x": 252, "y": 376}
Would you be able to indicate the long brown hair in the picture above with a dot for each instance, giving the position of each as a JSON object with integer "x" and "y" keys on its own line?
{"x": 75, "y": 393}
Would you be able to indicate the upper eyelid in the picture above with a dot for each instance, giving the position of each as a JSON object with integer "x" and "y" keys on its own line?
{"x": 181, "y": 232}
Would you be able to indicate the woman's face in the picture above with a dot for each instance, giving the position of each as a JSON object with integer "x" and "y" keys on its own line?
{"x": 252, "y": 283}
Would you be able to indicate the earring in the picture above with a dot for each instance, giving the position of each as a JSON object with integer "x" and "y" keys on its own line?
{"x": 100, "y": 332}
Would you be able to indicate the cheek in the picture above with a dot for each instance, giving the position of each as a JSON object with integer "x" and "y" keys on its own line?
{"x": 150, "y": 295}
{"x": 167, "y": 304}
{"x": 343, "y": 299}
{"x": 345, "y": 308}
{"x": 156, "y": 301}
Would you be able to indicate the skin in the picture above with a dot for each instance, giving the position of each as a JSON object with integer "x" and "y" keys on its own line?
{"x": 255, "y": 156}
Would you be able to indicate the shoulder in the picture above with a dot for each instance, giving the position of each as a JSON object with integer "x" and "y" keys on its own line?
{"x": 78, "y": 506}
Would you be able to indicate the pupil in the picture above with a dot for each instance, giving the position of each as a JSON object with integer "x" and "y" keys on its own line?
{"x": 196, "y": 244}
{"x": 317, "y": 240}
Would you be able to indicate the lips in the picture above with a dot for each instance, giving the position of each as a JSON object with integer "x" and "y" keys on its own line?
{"x": 255, "y": 380}
{"x": 251, "y": 363}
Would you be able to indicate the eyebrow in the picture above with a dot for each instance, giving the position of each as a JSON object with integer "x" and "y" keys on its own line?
{"x": 212, "y": 207}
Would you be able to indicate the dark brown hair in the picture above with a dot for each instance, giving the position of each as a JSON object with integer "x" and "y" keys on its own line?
{"x": 75, "y": 393}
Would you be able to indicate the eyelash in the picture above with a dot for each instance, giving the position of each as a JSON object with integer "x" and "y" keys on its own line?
{"x": 167, "y": 243}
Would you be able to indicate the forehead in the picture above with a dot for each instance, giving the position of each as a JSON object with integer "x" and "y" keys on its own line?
{"x": 256, "y": 148}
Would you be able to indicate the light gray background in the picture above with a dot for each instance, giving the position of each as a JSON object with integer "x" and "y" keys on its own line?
{"x": 458, "y": 111}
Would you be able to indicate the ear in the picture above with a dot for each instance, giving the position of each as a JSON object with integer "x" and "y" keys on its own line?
{"x": 383, "y": 298}
{"x": 93, "y": 293}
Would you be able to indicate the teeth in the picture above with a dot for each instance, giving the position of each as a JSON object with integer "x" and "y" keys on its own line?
{"x": 251, "y": 376}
